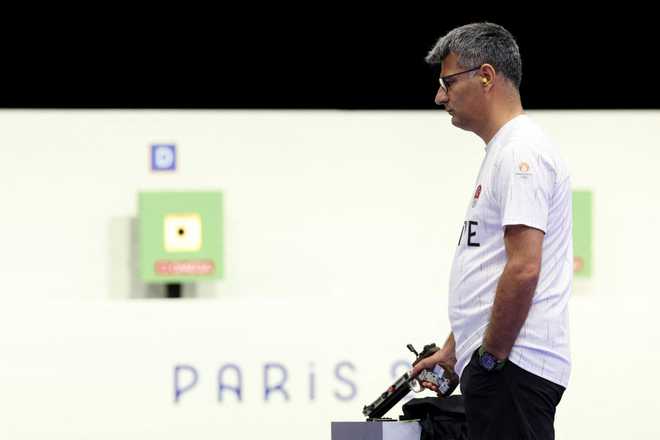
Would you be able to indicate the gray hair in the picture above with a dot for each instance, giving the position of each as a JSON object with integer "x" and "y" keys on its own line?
{"x": 481, "y": 43}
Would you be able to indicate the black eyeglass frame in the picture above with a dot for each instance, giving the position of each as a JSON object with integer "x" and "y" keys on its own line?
{"x": 444, "y": 85}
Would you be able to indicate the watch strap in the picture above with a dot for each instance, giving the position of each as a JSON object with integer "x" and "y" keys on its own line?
{"x": 499, "y": 364}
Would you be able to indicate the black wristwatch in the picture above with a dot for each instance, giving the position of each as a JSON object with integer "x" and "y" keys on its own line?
{"x": 489, "y": 362}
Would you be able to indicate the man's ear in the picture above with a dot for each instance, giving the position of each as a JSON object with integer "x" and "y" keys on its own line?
{"x": 487, "y": 74}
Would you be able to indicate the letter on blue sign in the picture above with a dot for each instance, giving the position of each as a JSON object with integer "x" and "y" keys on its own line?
{"x": 312, "y": 382}
{"x": 399, "y": 368}
{"x": 345, "y": 380}
{"x": 179, "y": 390}
{"x": 268, "y": 388}
{"x": 239, "y": 381}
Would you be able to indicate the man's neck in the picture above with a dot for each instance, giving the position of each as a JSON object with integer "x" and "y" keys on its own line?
{"x": 499, "y": 117}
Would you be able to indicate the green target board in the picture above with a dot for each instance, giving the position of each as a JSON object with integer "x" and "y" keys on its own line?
{"x": 180, "y": 236}
{"x": 582, "y": 234}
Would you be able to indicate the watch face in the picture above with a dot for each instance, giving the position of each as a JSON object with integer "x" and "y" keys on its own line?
{"x": 487, "y": 361}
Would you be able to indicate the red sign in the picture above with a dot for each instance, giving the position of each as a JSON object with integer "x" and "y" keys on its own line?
{"x": 192, "y": 267}
{"x": 578, "y": 264}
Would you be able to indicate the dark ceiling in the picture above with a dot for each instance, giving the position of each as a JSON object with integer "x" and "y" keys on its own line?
{"x": 320, "y": 58}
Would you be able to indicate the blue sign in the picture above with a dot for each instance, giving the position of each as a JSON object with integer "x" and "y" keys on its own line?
{"x": 163, "y": 157}
{"x": 276, "y": 385}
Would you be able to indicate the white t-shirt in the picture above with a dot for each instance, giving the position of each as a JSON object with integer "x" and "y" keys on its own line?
{"x": 522, "y": 181}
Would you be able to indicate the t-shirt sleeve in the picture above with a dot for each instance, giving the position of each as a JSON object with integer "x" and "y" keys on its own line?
{"x": 523, "y": 187}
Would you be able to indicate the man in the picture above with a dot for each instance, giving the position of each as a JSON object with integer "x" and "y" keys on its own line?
{"x": 513, "y": 268}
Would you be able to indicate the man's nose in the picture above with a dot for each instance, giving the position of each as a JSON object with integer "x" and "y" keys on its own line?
{"x": 441, "y": 97}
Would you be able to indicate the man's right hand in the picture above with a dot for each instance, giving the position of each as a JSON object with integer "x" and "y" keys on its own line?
{"x": 439, "y": 357}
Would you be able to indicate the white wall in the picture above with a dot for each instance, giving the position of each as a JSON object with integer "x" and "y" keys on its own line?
{"x": 334, "y": 222}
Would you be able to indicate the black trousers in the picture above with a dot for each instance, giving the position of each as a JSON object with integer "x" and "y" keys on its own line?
{"x": 509, "y": 404}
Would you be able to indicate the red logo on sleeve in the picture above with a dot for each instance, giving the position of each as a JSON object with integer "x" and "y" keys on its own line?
{"x": 477, "y": 193}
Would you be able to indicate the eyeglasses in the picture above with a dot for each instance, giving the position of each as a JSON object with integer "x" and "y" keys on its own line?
{"x": 446, "y": 81}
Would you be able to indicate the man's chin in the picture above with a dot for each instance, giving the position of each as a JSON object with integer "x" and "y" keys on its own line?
{"x": 458, "y": 123}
